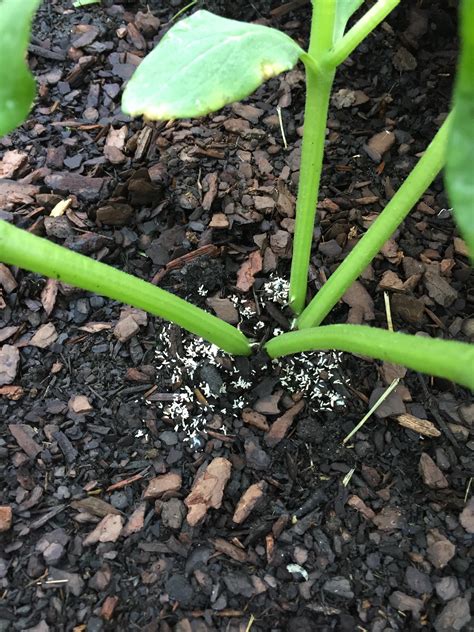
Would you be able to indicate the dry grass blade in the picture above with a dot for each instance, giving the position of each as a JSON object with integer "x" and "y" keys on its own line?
{"x": 381, "y": 399}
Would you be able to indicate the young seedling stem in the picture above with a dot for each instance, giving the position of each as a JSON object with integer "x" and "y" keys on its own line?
{"x": 318, "y": 91}
{"x": 425, "y": 171}
{"x": 443, "y": 358}
{"x": 358, "y": 33}
{"x": 44, "y": 257}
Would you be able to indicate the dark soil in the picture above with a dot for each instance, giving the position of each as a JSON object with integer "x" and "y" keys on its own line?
{"x": 109, "y": 416}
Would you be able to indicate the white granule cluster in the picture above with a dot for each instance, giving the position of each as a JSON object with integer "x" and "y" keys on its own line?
{"x": 276, "y": 290}
{"x": 189, "y": 412}
{"x": 314, "y": 374}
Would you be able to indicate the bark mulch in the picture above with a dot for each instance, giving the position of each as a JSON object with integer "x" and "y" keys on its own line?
{"x": 149, "y": 482}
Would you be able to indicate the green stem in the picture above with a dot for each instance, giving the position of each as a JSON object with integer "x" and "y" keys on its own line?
{"x": 20, "y": 248}
{"x": 358, "y": 32}
{"x": 318, "y": 92}
{"x": 443, "y": 358}
{"x": 425, "y": 171}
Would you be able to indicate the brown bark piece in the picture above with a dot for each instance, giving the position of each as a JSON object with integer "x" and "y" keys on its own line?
{"x": 219, "y": 221}
{"x": 165, "y": 484}
{"x": 12, "y": 192}
{"x": 210, "y": 181}
{"x": 224, "y": 309}
{"x": 358, "y": 504}
{"x": 281, "y": 426}
{"x": 208, "y": 490}
{"x": 108, "y": 607}
{"x": 114, "y": 214}
{"x": 9, "y": 362}
{"x": 7, "y": 280}
{"x": 248, "y": 270}
{"x": 85, "y": 187}
{"x": 253, "y": 418}
{"x": 466, "y": 517}
{"x": 440, "y": 550}
{"x": 229, "y": 549}
{"x": 108, "y": 530}
{"x": 126, "y": 328}
{"x": 95, "y": 506}
{"x": 248, "y": 501}
{"x": 24, "y": 440}
{"x": 45, "y": 336}
{"x": 431, "y": 474}
{"x": 136, "y": 521}
{"x": 48, "y": 295}
{"x": 389, "y": 519}
{"x": 11, "y": 162}
{"x": 80, "y": 405}
{"x": 6, "y": 518}
{"x": 421, "y": 426}
{"x": 12, "y": 392}
{"x": 360, "y": 303}
{"x": 381, "y": 142}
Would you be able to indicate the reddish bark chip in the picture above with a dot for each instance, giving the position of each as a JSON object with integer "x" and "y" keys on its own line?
{"x": 160, "y": 485}
{"x": 248, "y": 501}
{"x": 108, "y": 530}
{"x": 208, "y": 490}
{"x": 281, "y": 426}
{"x": 6, "y": 518}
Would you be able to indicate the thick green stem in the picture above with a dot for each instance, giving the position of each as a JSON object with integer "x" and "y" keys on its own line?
{"x": 318, "y": 92}
{"x": 427, "y": 168}
{"x": 443, "y": 358}
{"x": 19, "y": 248}
{"x": 358, "y": 32}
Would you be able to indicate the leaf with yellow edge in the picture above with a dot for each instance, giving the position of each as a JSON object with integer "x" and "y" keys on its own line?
{"x": 204, "y": 63}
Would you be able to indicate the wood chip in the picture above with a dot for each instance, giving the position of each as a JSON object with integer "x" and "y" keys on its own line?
{"x": 48, "y": 295}
{"x": 360, "y": 303}
{"x": 12, "y": 392}
{"x": 253, "y": 418}
{"x": 248, "y": 270}
{"x": 229, "y": 549}
{"x": 281, "y": 426}
{"x": 11, "y": 162}
{"x": 166, "y": 484}
{"x": 44, "y": 337}
{"x": 248, "y": 501}
{"x": 80, "y": 405}
{"x": 108, "y": 607}
{"x": 207, "y": 490}
{"x": 95, "y": 506}
{"x": 9, "y": 363}
{"x": 432, "y": 476}
{"x": 421, "y": 426}
{"x": 6, "y": 518}
{"x": 358, "y": 504}
{"x": 108, "y": 530}
{"x": 21, "y": 433}
{"x": 135, "y": 522}
{"x": 7, "y": 280}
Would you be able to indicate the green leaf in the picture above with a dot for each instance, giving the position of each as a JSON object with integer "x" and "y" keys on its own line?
{"x": 344, "y": 10}
{"x": 17, "y": 86}
{"x": 460, "y": 160}
{"x": 83, "y": 3}
{"x": 204, "y": 63}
